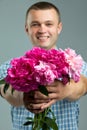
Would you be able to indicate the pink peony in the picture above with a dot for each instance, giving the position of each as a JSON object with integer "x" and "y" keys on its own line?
{"x": 20, "y": 75}
{"x": 37, "y": 54}
{"x": 75, "y": 63}
{"x": 41, "y": 67}
{"x": 45, "y": 73}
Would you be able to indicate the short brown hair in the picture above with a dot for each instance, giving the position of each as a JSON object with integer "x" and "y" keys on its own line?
{"x": 43, "y": 6}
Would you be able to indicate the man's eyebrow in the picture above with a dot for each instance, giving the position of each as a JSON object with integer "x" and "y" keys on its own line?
{"x": 44, "y": 21}
{"x": 34, "y": 22}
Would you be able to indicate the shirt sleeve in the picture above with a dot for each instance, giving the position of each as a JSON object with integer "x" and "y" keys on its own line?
{"x": 84, "y": 69}
{"x": 3, "y": 69}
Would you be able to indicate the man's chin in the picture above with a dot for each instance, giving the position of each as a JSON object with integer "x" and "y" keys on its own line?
{"x": 42, "y": 46}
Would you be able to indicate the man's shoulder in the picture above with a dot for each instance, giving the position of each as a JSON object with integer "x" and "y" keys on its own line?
{"x": 3, "y": 69}
{"x": 6, "y": 64}
{"x": 84, "y": 68}
{"x": 84, "y": 64}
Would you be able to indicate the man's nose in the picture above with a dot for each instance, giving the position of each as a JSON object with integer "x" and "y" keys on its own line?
{"x": 42, "y": 28}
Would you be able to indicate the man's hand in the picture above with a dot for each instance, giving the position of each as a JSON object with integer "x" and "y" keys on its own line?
{"x": 36, "y": 102}
{"x": 15, "y": 99}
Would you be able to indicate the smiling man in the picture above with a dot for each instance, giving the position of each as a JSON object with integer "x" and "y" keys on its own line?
{"x": 43, "y": 26}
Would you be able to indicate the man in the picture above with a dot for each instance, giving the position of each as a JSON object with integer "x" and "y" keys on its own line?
{"x": 43, "y": 26}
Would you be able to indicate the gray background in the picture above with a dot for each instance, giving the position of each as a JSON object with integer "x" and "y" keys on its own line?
{"x": 14, "y": 41}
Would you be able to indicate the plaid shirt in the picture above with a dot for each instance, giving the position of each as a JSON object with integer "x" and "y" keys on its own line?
{"x": 66, "y": 112}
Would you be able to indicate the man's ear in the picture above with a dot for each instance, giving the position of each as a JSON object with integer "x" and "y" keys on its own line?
{"x": 26, "y": 29}
{"x": 59, "y": 27}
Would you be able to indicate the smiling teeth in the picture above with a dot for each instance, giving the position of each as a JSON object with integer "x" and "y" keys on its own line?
{"x": 43, "y": 37}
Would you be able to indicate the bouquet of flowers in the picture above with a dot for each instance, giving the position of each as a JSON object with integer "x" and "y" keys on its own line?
{"x": 38, "y": 68}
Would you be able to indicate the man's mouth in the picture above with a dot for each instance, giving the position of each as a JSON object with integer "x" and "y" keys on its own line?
{"x": 42, "y": 38}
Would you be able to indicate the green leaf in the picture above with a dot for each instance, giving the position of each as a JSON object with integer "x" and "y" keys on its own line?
{"x": 12, "y": 91}
{"x": 53, "y": 116}
{"x": 6, "y": 87}
{"x": 43, "y": 90}
{"x": 29, "y": 118}
{"x": 45, "y": 127}
{"x": 51, "y": 123}
{"x": 2, "y": 81}
{"x": 28, "y": 123}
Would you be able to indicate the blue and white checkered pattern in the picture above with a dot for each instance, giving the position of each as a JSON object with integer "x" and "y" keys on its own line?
{"x": 66, "y": 112}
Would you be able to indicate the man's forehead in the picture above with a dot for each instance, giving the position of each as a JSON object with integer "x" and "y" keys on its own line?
{"x": 37, "y": 15}
{"x": 43, "y": 11}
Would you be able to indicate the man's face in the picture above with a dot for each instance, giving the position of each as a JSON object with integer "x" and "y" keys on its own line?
{"x": 43, "y": 28}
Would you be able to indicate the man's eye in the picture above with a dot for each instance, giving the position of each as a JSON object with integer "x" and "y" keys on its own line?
{"x": 49, "y": 24}
{"x": 35, "y": 25}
